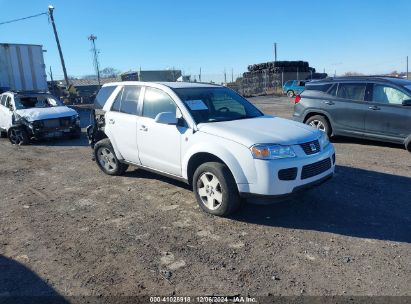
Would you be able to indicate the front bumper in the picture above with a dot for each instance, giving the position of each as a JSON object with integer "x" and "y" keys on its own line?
{"x": 308, "y": 174}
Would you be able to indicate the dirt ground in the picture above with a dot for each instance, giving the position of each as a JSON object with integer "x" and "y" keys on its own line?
{"x": 68, "y": 229}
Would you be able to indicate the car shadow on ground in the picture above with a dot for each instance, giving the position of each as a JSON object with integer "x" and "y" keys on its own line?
{"x": 356, "y": 202}
{"x": 143, "y": 174}
{"x": 19, "y": 284}
{"x": 364, "y": 142}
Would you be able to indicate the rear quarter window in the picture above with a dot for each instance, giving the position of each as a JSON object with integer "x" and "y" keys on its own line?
{"x": 102, "y": 96}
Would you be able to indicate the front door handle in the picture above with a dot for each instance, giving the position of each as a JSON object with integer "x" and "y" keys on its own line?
{"x": 374, "y": 108}
{"x": 329, "y": 102}
{"x": 111, "y": 121}
{"x": 143, "y": 128}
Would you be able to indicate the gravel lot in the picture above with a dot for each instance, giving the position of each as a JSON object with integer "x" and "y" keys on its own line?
{"x": 68, "y": 229}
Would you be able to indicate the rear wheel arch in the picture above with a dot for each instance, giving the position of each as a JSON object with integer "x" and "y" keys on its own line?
{"x": 314, "y": 113}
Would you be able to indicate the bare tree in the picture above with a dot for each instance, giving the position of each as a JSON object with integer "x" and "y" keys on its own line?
{"x": 353, "y": 74}
{"x": 109, "y": 72}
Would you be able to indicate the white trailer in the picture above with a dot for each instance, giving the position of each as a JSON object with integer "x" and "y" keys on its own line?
{"x": 22, "y": 67}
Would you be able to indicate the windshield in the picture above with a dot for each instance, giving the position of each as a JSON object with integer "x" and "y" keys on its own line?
{"x": 216, "y": 104}
{"x": 40, "y": 101}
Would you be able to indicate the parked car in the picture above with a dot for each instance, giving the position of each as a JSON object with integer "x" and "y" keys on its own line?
{"x": 209, "y": 137}
{"x": 377, "y": 108}
{"x": 33, "y": 115}
{"x": 293, "y": 87}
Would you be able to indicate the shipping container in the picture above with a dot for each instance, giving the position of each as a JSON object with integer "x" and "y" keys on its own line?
{"x": 22, "y": 67}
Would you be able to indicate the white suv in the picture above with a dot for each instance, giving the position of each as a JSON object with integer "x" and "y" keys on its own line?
{"x": 211, "y": 138}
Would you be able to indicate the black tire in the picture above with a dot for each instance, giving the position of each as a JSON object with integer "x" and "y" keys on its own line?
{"x": 290, "y": 93}
{"x": 319, "y": 122}
{"x": 106, "y": 158}
{"x": 226, "y": 189}
{"x": 18, "y": 136}
{"x": 76, "y": 134}
{"x": 408, "y": 145}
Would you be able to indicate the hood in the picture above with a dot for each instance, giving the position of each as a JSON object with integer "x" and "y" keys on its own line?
{"x": 262, "y": 130}
{"x": 33, "y": 114}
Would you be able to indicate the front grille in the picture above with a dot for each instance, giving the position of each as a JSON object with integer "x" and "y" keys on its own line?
{"x": 63, "y": 122}
{"x": 51, "y": 123}
{"x": 287, "y": 174}
{"x": 311, "y": 147}
{"x": 315, "y": 168}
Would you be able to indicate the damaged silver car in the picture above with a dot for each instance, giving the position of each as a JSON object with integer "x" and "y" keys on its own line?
{"x": 36, "y": 115}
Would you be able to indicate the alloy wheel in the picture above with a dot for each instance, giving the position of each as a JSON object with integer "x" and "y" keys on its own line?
{"x": 209, "y": 190}
{"x": 318, "y": 125}
{"x": 107, "y": 159}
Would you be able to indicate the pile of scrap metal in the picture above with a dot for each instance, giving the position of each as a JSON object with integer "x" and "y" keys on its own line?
{"x": 268, "y": 77}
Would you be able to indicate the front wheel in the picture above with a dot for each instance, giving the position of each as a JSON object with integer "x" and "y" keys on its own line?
{"x": 290, "y": 94}
{"x": 215, "y": 189}
{"x": 106, "y": 158}
{"x": 18, "y": 136}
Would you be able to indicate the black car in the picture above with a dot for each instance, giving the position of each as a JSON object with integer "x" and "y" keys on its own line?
{"x": 377, "y": 108}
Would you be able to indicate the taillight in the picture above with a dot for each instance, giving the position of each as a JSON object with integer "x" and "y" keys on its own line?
{"x": 297, "y": 99}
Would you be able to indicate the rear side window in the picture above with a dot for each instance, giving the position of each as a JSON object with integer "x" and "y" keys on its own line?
{"x": 333, "y": 90}
{"x": 102, "y": 96}
{"x": 127, "y": 100}
{"x": 352, "y": 91}
{"x": 157, "y": 101}
{"x": 289, "y": 83}
{"x": 322, "y": 87}
{"x": 388, "y": 95}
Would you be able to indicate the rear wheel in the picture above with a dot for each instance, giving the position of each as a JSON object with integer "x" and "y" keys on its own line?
{"x": 106, "y": 158}
{"x": 215, "y": 189}
{"x": 290, "y": 94}
{"x": 319, "y": 122}
{"x": 18, "y": 136}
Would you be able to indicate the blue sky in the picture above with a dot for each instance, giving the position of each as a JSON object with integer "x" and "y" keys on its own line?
{"x": 369, "y": 36}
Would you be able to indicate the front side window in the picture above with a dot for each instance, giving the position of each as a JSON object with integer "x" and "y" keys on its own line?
{"x": 333, "y": 90}
{"x": 216, "y": 104}
{"x": 352, "y": 91}
{"x": 157, "y": 101}
{"x": 388, "y": 95}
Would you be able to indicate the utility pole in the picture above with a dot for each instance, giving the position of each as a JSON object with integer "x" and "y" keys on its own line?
{"x": 199, "y": 76}
{"x": 275, "y": 51}
{"x": 93, "y": 38}
{"x": 51, "y": 9}
{"x": 232, "y": 75}
{"x": 225, "y": 76}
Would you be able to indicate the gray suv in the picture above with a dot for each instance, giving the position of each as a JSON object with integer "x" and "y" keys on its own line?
{"x": 377, "y": 108}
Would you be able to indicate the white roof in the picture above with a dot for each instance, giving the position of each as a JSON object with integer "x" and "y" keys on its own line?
{"x": 173, "y": 85}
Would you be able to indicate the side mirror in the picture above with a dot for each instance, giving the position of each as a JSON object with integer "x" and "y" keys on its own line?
{"x": 406, "y": 103}
{"x": 167, "y": 118}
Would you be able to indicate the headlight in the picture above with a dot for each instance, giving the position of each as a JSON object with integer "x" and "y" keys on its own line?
{"x": 271, "y": 151}
{"x": 324, "y": 140}
{"x": 75, "y": 119}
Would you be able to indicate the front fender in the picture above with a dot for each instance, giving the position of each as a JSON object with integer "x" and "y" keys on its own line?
{"x": 237, "y": 157}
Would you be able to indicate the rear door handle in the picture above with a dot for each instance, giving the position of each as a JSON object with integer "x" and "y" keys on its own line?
{"x": 143, "y": 128}
{"x": 111, "y": 121}
{"x": 329, "y": 102}
{"x": 374, "y": 108}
